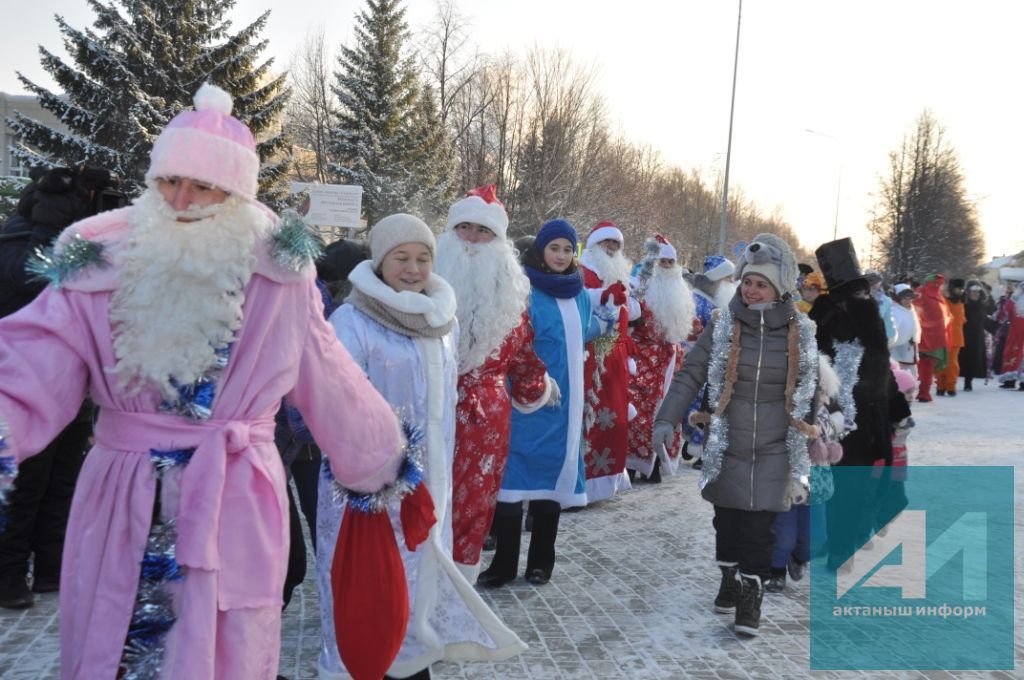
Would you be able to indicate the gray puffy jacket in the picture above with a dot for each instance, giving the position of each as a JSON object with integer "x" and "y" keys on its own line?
{"x": 755, "y": 464}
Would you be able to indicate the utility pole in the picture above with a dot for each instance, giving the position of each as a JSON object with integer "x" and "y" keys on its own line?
{"x": 728, "y": 150}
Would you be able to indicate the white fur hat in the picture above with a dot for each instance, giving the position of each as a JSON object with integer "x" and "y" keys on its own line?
{"x": 604, "y": 231}
{"x": 480, "y": 206}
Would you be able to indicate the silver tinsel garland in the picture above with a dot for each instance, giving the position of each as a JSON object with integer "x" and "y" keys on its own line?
{"x": 195, "y": 401}
{"x": 847, "y": 367}
{"x": 803, "y": 396}
{"x": 294, "y": 244}
{"x": 57, "y": 267}
{"x": 410, "y": 474}
{"x": 718, "y": 429}
{"x": 8, "y": 471}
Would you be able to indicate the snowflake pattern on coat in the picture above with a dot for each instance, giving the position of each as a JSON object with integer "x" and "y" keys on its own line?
{"x": 654, "y": 358}
{"x": 482, "y": 430}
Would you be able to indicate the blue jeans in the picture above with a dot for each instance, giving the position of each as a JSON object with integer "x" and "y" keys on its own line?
{"x": 793, "y": 534}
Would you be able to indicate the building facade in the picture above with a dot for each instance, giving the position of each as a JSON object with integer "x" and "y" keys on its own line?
{"x": 27, "y": 105}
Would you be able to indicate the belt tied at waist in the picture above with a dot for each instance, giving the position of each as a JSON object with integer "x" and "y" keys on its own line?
{"x": 202, "y": 480}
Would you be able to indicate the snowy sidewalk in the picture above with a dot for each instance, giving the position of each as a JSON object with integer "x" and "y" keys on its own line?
{"x": 632, "y": 589}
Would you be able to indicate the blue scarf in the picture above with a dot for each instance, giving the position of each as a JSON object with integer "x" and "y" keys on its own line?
{"x": 562, "y": 286}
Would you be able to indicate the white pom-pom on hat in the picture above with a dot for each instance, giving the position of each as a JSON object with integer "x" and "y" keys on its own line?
{"x": 211, "y": 97}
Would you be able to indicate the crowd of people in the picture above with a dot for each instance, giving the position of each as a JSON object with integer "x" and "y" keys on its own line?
{"x": 424, "y": 392}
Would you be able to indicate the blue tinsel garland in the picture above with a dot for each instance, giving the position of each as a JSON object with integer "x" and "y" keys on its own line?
{"x": 195, "y": 401}
{"x": 58, "y": 267}
{"x": 294, "y": 244}
{"x": 410, "y": 474}
{"x": 8, "y": 471}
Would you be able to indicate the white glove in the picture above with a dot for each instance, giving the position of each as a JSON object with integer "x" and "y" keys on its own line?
{"x": 664, "y": 434}
{"x": 555, "y": 399}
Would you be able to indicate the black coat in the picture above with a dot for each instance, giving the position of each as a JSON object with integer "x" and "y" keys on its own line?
{"x": 876, "y": 396}
{"x": 972, "y": 354}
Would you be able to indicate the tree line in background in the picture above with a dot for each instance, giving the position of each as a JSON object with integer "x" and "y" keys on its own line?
{"x": 417, "y": 120}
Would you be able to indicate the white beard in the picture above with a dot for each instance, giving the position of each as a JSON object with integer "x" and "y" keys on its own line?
{"x": 179, "y": 294}
{"x": 724, "y": 294}
{"x": 610, "y": 268}
{"x": 670, "y": 300}
{"x": 491, "y": 291}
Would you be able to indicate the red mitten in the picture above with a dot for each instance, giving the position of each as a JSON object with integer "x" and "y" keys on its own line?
{"x": 617, "y": 293}
{"x": 417, "y": 516}
{"x": 371, "y": 598}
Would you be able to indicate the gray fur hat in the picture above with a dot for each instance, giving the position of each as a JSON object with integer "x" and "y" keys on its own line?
{"x": 772, "y": 258}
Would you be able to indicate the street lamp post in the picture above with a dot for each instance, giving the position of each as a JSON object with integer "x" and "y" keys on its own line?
{"x": 728, "y": 150}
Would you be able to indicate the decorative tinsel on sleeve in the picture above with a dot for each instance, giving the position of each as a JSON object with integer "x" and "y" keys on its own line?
{"x": 153, "y": 614}
{"x": 847, "y": 366}
{"x": 8, "y": 471}
{"x": 295, "y": 244}
{"x": 718, "y": 429}
{"x": 803, "y": 396}
{"x": 60, "y": 266}
{"x": 410, "y": 474}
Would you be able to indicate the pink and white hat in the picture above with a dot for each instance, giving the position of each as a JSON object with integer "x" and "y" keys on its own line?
{"x": 208, "y": 145}
{"x": 604, "y": 231}
{"x": 666, "y": 251}
{"x": 480, "y": 206}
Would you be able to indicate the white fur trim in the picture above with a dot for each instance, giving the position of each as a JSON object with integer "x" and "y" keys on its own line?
{"x": 436, "y": 303}
{"x": 211, "y": 97}
{"x": 667, "y": 251}
{"x": 533, "y": 406}
{"x": 828, "y": 380}
{"x": 476, "y": 210}
{"x": 603, "y": 488}
{"x": 605, "y": 233}
{"x": 198, "y": 155}
{"x": 721, "y": 270}
{"x": 631, "y": 411}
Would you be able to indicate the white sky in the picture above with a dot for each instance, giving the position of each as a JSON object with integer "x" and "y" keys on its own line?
{"x": 857, "y": 72}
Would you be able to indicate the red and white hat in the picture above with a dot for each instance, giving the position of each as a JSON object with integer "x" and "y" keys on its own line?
{"x": 208, "y": 145}
{"x": 666, "y": 250}
{"x": 480, "y": 206}
{"x": 604, "y": 231}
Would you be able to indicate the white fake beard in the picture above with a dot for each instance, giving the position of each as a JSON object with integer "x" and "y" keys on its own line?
{"x": 491, "y": 291}
{"x": 180, "y": 294}
{"x": 610, "y": 268}
{"x": 1018, "y": 300}
{"x": 724, "y": 294}
{"x": 670, "y": 300}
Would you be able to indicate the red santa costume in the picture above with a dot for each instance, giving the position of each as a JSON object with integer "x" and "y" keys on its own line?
{"x": 607, "y": 410}
{"x": 667, "y": 315}
{"x": 496, "y": 362}
{"x": 1013, "y": 352}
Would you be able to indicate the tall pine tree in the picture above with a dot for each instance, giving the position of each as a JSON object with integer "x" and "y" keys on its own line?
{"x": 135, "y": 69}
{"x": 388, "y": 137}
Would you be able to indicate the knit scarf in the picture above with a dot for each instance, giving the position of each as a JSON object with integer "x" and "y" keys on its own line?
{"x": 568, "y": 284}
{"x": 430, "y": 314}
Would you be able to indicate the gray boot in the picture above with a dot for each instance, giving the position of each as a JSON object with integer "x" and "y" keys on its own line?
{"x": 748, "y": 608}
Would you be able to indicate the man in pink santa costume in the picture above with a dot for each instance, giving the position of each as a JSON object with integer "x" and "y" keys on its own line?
{"x": 607, "y": 411}
{"x": 496, "y": 361}
{"x": 186, "y": 317}
{"x": 667, "y": 317}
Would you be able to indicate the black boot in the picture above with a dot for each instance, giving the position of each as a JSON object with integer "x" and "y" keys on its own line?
{"x": 508, "y": 522}
{"x": 748, "y": 609}
{"x": 968, "y": 386}
{"x": 540, "y": 560}
{"x": 655, "y": 476}
{"x": 685, "y": 453}
{"x": 1008, "y": 385}
{"x": 728, "y": 589}
{"x": 14, "y": 592}
{"x": 777, "y": 581}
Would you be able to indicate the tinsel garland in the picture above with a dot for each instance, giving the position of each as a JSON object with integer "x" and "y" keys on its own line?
{"x": 153, "y": 613}
{"x": 847, "y": 367}
{"x": 58, "y": 267}
{"x": 8, "y": 471}
{"x": 195, "y": 401}
{"x": 803, "y": 396}
{"x": 410, "y": 474}
{"x": 295, "y": 245}
{"x": 718, "y": 428}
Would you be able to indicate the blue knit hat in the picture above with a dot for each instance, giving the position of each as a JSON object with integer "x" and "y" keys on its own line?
{"x": 555, "y": 229}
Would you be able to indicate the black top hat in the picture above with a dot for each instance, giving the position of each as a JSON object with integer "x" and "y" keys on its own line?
{"x": 839, "y": 264}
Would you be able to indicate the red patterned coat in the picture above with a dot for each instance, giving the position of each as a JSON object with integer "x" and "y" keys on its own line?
{"x": 482, "y": 427}
{"x": 656, "y": 363}
{"x": 606, "y": 407}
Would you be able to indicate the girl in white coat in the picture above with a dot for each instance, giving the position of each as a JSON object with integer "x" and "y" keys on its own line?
{"x": 399, "y": 325}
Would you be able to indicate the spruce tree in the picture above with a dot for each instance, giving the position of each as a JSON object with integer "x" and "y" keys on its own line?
{"x": 135, "y": 69}
{"x": 388, "y": 137}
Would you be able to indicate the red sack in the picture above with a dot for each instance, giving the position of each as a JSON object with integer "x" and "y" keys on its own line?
{"x": 371, "y": 598}
{"x": 417, "y": 515}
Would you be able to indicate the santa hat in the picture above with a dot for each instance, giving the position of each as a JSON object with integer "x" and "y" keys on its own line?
{"x": 604, "y": 231}
{"x": 208, "y": 145}
{"x": 480, "y": 206}
{"x": 666, "y": 251}
{"x": 717, "y": 267}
